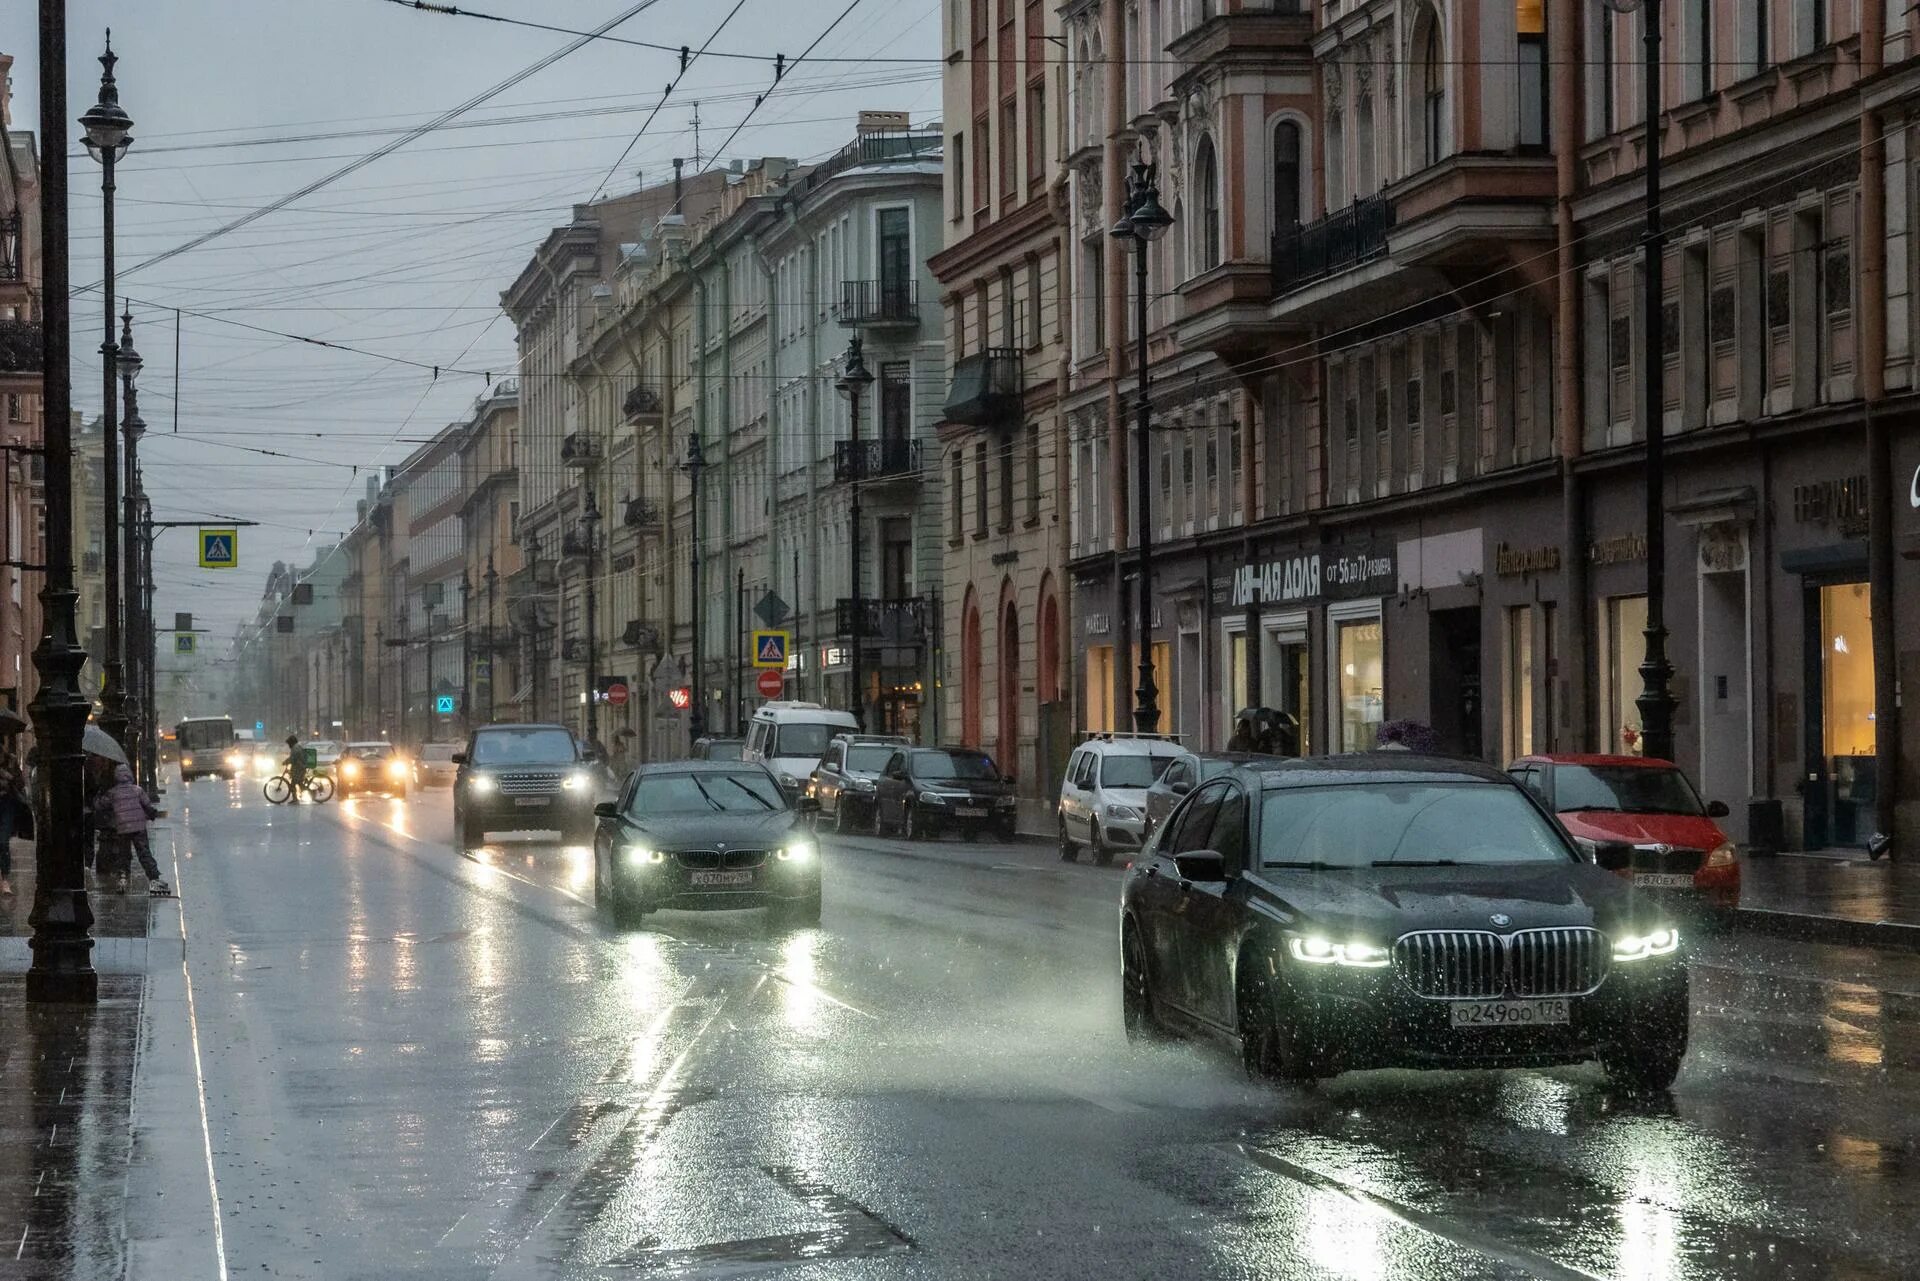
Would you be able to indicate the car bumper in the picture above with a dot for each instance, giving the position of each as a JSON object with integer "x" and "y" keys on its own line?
{"x": 497, "y": 814}
{"x": 1122, "y": 834}
{"x": 668, "y": 885}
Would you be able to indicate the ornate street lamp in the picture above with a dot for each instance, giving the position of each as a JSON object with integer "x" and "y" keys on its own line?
{"x": 1145, "y": 221}
{"x": 138, "y": 668}
{"x": 590, "y": 530}
{"x": 492, "y": 580}
{"x": 854, "y": 379}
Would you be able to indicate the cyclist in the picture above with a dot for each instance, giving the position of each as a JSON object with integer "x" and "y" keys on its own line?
{"x": 296, "y": 763}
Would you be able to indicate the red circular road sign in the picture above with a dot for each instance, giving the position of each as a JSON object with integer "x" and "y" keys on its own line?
{"x": 617, "y": 695}
{"x": 771, "y": 683}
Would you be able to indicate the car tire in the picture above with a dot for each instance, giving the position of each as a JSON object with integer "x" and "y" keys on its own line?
{"x": 1068, "y": 853}
{"x": 1649, "y": 1064}
{"x": 1270, "y": 1046}
{"x": 910, "y": 822}
{"x": 840, "y": 825}
{"x": 472, "y": 835}
{"x": 797, "y": 913}
{"x": 1136, "y": 989}
{"x": 1102, "y": 855}
{"x": 599, "y": 886}
{"x": 626, "y": 913}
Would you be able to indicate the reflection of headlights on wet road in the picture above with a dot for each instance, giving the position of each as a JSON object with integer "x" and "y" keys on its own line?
{"x": 638, "y": 854}
{"x": 479, "y": 784}
{"x": 1638, "y": 947}
{"x": 578, "y": 781}
{"x": 1315, "y": 950}
{"x": 796, "y": 852}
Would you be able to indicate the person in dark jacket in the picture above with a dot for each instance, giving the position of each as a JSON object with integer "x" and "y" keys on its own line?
{"x": 122, "y": 812}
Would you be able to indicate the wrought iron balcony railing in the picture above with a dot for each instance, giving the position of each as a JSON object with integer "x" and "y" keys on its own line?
{"x": 878, "y": 302}
{"x": 19, "y": 346}
{"x": 642, "y": 513}
{"x": 643, "y": 404}
{"x": 906, "y": 621}
{"x": 578, "y": 450}
{"x": 1333, "y": 244}
{"x": 875, "y": 459}
{"x": 986, "y": 388}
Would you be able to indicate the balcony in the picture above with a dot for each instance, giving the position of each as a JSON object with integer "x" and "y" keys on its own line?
{"x": 12, "y": 254}
{"x": 642, "y": 635}
{"x": 20, "y": 347}
{"x": 643, "y": 405}
{"x": 579, "y": 450}
{"x": 1339, "y": 242}
{"x": 642, "y": 513}
{"x": 986, "y": 389}
{"x": 875, "y": 459}
{"x": 907, "y": 621}
{"x": 573, "y": 651}
{"x": 575, "y": 542}
{"x": 878, "y": 303}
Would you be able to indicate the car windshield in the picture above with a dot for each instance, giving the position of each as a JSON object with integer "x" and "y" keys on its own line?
{"x": 868, "y": 760}
{"x": 1366, "y": 825}
{"x": 1132, "y": 770}
{"x": 523, "y": 747}
{"x": 1632, "y": 789}
{"x": 438, "y": 753}
{"x": 747, "y": 792}
{"x": 323, "y": 747}
{"x": 803, "y": 738}
{"x": 371, "y": 751}
{"x": 726, "y": 749}
{"x": 955, "y": 765}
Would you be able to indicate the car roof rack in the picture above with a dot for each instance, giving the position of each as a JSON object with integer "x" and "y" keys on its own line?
{"x": 1123, "y": 735}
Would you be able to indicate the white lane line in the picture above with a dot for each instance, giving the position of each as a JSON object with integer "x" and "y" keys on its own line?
{"x": 200, "y": 1076}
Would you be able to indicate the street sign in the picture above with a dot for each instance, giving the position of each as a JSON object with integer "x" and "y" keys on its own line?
{"x": 259, "y": 727}
{"x": 617, "y": 695}
{"x": 183, "y": 643}
{"x": 771, "y": 610}
{"x": 219, "y": 548}
{"x": 443, "y": 704}
{"x": 770, "y": 649}
{"x": 183, "y": 622}
{"x": 771, "y": 683}
{"x": 681, "y": 697}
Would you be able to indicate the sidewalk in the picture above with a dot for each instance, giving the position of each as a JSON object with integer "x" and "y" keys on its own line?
{"x": 1831, "y": 897}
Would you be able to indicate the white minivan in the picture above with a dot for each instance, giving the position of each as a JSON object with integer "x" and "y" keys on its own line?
{"x": 790, "y": 737}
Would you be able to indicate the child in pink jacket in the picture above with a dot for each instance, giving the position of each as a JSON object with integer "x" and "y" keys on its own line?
{"x": 122, "y": 811}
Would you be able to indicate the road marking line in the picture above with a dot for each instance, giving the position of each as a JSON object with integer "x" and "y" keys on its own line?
{"x": 199, "y": 1076}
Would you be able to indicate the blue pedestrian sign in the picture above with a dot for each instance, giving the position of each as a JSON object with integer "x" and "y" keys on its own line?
{"x": 219, "y": 548}
{"x": 770, "y": 649}
{"x": 259, "y": 727}
{"x": 443, "y": 704}
{"x": 183, "y": 643}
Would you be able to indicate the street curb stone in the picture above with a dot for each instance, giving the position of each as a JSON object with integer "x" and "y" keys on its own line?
{"x": 1813, "y": 927}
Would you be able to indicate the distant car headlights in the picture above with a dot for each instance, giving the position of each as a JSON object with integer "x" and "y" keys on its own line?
{"x": 396, "y": 769}
{"x": 1722, "y": 855}
{"x": 186, "y": 762}
{"x": 235, "y": 761}
{"x": 638, "y": 854}
{"x": 479, "y": 784}
{"x": 1638, "y": 947}
{"x": 350, "y": 769}
{"x": 578, "y": 781}
{"x": 796, "y": 852}
{"x": 1123, "y": 814}
{"x": 1317, "y": 949}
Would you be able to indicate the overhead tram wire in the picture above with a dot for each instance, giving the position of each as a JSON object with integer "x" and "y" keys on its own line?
{"x": 686, "y": 62}
{"x": 780, "y": 70}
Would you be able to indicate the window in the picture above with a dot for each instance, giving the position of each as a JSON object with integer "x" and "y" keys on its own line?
{"x": 1036, "y": 134}
{"x": 982, "y": 164}
{"x": 1530, "y": 21}
{"x": 1035, "y": 321}
{"x": 959, "y": 175}
{"x": 1097, "y": 294}
{"x": 957, "y": 501}
{"x": 895, "y": 253}
{"x": 1194, "y": 826}
{"x": 1623, "y": 624}
{"x": 1006, "y": 483}
{"x": 1370, "y": 823}
{"x": 1700, "y": 40}
{"x": 1360, "y": 677}
{"x": 896, "y": 402}
{"x": 896, "y": 557}
{"x": 980, "y": 489}
{"x": 1286, "y": 175}
{"x": 1009, "y": 154}
{"x": 1518, "y": 670}
{"x": 1846, "y": 671}
{"x": 1605, "y": 69}
{"x": 1336, "y": 161}
{"x": 1206, "y": 176}
{"x": 1033, "y": 477}
{"x": 1432, "y": 71}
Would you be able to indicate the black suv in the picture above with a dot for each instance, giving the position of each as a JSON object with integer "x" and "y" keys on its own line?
{"x": 523, "y": 778}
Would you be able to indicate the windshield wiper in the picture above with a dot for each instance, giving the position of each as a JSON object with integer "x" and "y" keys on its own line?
{"x": 759, "y": 800}
{"x": 712, "y": 804}
{"x": 1415, "y": 862}
{"x": 1311, "y": 867}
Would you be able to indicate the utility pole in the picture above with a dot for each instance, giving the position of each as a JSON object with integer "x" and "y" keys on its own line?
{"x": 493, "y": 645}
{"x": 134, "y": 427}
{"x": 853, "y": 380}
{"x": 697, "y": 709}
{"x": 739, "y": 651}
{"x": 590, "y": 529}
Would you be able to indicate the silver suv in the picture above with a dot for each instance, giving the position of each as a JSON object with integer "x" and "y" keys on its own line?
{"x": 1103, "y": 799}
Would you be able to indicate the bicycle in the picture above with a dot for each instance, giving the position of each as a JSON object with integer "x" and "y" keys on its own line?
{"x": 281, "y": 788}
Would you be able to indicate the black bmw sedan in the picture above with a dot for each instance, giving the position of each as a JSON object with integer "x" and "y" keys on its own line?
{"x": 700, "y": 834}
{"x": 1393, "y": 910}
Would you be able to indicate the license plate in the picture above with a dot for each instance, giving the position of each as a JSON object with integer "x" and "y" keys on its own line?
{"x": 1477, "y": 1014}
{"x": 720, "y": 878}
{"x": 531, "y": 800}
{"x": 969, "y": 811}
{"x": 1663, "y": 880}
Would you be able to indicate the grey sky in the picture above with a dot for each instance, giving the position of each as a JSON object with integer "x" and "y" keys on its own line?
{"x": 407, "y": 256}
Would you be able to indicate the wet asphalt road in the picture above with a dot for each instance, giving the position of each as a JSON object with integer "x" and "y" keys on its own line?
{"x": 422, "y": 1064}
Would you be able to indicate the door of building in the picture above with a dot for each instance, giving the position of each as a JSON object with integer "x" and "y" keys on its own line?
{"x": 1837, "y": 693}
{"x": 1726, "y": 719}
{"x": 1455, "y": 693}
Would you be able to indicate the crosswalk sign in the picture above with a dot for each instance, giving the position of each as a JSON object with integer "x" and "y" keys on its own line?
{"x": 770, "y": 649}
{"x": 183, "y": 643}
{"x": 219, "y": 548}
{"x": 443, "y": 704}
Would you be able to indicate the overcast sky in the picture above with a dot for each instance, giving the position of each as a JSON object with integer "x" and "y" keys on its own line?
{"x": 239, "y": 102}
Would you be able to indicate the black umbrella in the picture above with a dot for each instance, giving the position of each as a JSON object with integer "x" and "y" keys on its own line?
{"x": 11, "y": 722}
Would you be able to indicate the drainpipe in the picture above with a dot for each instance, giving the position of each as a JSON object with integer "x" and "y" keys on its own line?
{"x": 1575, "y": 702}
{"x": 1872, "y": 250}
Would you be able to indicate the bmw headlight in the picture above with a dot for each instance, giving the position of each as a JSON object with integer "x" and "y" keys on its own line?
{"x": 1317, "y": 949}
{"x": 479, "y": 784}
{"x": 578, "y": 781}
{"x": 1123, "y": 813}
{"x": 1638, "y": 947}
{"x": 1722, "y": 855}
{"x": 638, "y": 854}
{"x": 796, "y": 852}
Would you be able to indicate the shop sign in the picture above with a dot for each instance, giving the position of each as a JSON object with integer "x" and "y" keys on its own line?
{"x": 1617, "y": 551}
{"x": 1297, "y": 578}
{"x": 1343, "y": 574}
{"x": 834, "y": 657}
{"x": 1519, "y": 562}
{"x": 1369, "y": 572}
{"x": 1841, "y": 503}
{"x": 1099, "y": 624}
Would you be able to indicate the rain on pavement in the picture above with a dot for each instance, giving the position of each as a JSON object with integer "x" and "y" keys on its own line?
{"x": 427, "y": 1063}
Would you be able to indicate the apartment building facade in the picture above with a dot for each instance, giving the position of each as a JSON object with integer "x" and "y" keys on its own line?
{"x": 21, "y": 511}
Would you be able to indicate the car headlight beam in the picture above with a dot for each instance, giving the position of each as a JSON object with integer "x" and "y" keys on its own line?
{"x": 1317, "y": 949}
{"x": 796, "y": 852}
{"x": 350, "y": 769}
{"x": 1638, "y": 947}
{"x": 643, "y": 854}
{"x": 1722, "y": 855}
{"x": 479, "y": 784}
{"x": 396, "y": 769}
{"x": 578, "y": 781}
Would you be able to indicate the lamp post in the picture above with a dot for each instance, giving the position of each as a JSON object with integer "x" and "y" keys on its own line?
{"x": 493, "y": 646}
{"x": 1145, "y": 221}
{"x": 696, "y": 710}
{"x": 108, "y": 135}
{"x": 62, "y": 966}
{"x": 590, "y": 530}
{"x": 149, "y": 646}
{"x": 134, "y": 427}
{"x": 854, "y": 379}
{"x": 466, "y": 648}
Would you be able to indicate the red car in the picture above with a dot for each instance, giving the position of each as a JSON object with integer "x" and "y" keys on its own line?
{"x": 1639, "y": 818}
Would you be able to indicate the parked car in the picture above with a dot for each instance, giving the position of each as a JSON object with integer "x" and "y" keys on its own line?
{"x": 434, "y": 766}
{"x": 371, "y": 768}
{"x": 1395, "y": 910}
{"x": 325, "y": 753}
{"x": 1103, "y": 798}
{"x": 925, "y": 791}
{"x": 718, "y": 749}
{"x": 1184, "y": 773}
{"x": 790, "y": 737}
{"x": 1641, "y": 819}
{"x": 522, "y": 778}
{"x": 844, "y": 780}
{"x": 705, "y": 834}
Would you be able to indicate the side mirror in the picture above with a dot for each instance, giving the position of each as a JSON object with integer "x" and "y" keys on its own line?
{"x": 459, "y": 758}
{"x": 1202, "y": 865}
{"x": 1180, "y": 788}
{"x": 1717, "y": 809}
{"x": 807, "y": 805}
{"x": 606, "y": 809}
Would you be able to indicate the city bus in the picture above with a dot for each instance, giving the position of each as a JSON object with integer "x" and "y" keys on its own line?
{"x": 205, "y": 746}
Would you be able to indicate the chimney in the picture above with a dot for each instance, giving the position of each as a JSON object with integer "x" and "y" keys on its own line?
{"x": 880, "y": 122}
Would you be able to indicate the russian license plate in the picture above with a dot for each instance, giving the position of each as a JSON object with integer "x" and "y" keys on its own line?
{"x": 1477, "y": 1014}
{"x": 1663, "y": 880}
{"x": 531, "y": 800}
{"x": 969, "y": 811}
{"x": 721, "y": 878}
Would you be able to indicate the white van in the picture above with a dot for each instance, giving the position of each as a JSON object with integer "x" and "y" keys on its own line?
{"x": 790, "y": 737}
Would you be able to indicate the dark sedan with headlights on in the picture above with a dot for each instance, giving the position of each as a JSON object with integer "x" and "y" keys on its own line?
{"x": 702, "y": 835}
{"x": 1393, "y": 910}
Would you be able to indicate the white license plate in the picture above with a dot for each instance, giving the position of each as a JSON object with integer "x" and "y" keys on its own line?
{"x": 1478, "y": 1014}
{"x": 720, "y": 878}
{"x": 969, "y": 811}
{"x": 531, "y": 800}
{"x": 1663, "y": 880}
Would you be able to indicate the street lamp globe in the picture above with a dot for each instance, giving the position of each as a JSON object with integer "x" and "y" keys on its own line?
{"x": 135, "y": 426}
{"x": 855, "y": 377}
{"x": 129, "y": 361}
{"x": 109, "y": 129}
{"x": 1147, "y": 215}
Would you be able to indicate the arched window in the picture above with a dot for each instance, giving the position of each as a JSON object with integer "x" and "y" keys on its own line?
{"x": 970, "y": 672}
{"x": 1007, "y": 739}
{"x": 1206, "y": 180}
{"x": 1364, "y": 177}
{"x": 1430, "y": 88}
{"x": 1286, "y": 175}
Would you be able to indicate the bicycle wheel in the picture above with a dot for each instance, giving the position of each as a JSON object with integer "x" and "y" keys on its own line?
{"x": 278, "y": 790}
{"x": 320, "y": 789}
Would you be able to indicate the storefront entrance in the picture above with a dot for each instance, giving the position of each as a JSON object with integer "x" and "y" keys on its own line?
{"x": 1840, "y": 733}
{"x": 1454, "y": 640}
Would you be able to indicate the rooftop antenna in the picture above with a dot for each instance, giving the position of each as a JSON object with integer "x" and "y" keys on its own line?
{"x": 696, "y": 134}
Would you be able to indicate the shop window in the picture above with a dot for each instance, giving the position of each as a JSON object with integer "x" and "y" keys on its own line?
{"x": 1360, "y": 675}
{"x": 1846, "y": 671}
{"x": 1530, "y": 22}
{"x": 1100, "y": 688}
{"x": 1285, "y": 679}
{"x": 1238, "y": 695}
{"x": 1623, "y": 625}
{"x": 1518, "y": 678}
